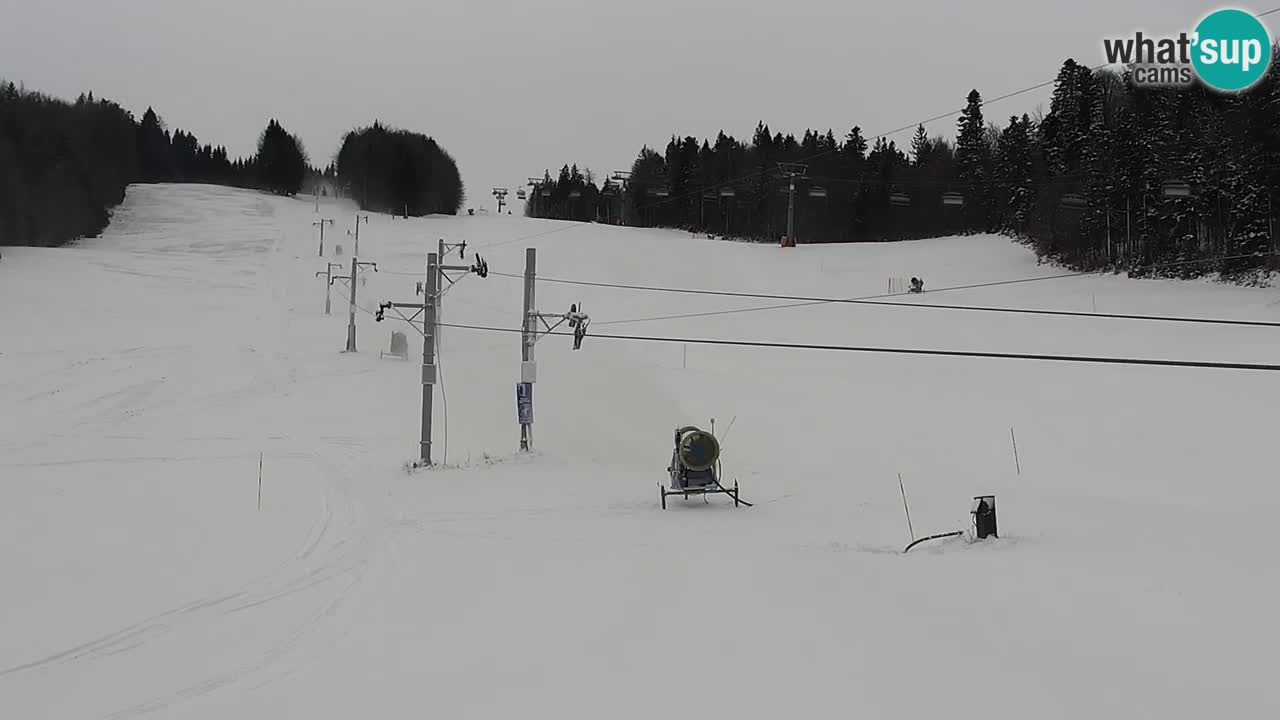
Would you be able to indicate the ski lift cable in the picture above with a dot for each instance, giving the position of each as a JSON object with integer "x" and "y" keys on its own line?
{"x": 1204, "y": 364}
{"x": 881, "y": 300}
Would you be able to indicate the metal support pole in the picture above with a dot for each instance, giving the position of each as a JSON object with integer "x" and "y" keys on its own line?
{"x": 328, "y": 285}
{"x": 321, "y": 223}
{"x": 428, "y": 352}
{"x": 351, "y": 311}
{"x": 528, "y": 333}
{"x": 429, "y": 312}
{"x": 359, "y": 217}
{"x": 440, "y": 284}
{"x": 791, "y": 213}
{"x": 791, "y": 171}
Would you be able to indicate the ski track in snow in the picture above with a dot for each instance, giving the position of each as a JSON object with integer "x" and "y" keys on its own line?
{"x": 333, "y": 558}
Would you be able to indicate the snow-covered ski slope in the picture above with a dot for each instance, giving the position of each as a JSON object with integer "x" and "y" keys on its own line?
{"x": 143, "y": 373}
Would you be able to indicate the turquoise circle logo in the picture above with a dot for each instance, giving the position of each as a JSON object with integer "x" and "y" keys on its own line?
{"x": 1232, "y": 50}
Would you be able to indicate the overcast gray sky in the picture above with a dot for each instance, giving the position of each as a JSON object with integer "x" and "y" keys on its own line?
{"x": 513, "y": 88}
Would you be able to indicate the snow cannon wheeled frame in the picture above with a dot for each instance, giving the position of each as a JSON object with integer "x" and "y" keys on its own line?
{"x": 695, "y": 466}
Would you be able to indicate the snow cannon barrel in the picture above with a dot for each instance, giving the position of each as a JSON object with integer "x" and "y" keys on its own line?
{"x": 698, "y": 450}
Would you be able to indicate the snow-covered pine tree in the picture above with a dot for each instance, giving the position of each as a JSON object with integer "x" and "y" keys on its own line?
{"x": 972, "y": 158}
{"x": 1098, "y": 165}
{"x": 1013, "y": 173}
{"x": 920, "y": 146}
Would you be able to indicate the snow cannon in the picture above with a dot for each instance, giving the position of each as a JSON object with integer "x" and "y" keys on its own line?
{"x": 697, "y": 452}
{"x": 695, "y": 466}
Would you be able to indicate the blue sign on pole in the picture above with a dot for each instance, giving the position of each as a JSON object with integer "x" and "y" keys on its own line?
{"x": 524, "y": 403}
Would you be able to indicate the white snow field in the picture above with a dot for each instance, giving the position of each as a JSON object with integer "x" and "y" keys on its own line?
{"x": 143, "y": 373}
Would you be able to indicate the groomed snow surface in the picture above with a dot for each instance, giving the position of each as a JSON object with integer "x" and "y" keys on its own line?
{"x": 143, "y": 373}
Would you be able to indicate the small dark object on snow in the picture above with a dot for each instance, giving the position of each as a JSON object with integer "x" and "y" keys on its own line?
{"x": 984, "y": 516}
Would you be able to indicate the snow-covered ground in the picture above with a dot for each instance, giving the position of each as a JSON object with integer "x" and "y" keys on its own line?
{"x": 144, "y": 373}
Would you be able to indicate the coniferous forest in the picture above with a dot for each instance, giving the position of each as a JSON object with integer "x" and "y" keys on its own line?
{"x": 399, "y": 172}
{"x": 1112, "y": 176}
{"x": 65, "y": 165}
